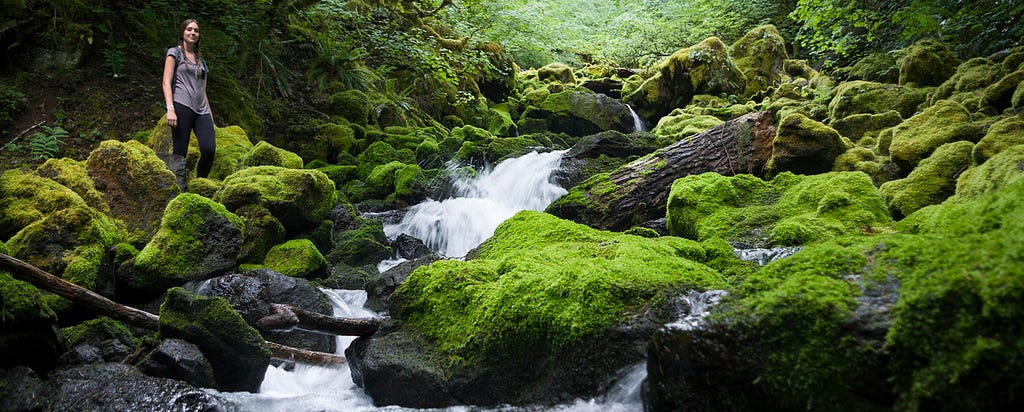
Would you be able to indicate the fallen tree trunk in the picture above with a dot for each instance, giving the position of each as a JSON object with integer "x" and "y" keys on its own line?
{"x": 129, "y": 315}
{"x": 638, "y": 192}
{"x": 286, "y": 316}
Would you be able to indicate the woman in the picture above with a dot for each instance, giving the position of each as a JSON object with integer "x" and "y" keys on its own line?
{"x": 188, "y": 109}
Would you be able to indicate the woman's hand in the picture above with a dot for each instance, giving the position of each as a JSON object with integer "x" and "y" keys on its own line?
{"x": 172, "y": 117}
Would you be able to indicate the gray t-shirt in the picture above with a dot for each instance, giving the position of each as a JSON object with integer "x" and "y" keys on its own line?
{"x": 190, "y": 82}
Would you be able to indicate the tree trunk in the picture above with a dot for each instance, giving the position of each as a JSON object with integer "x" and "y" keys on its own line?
{"x": 286, "y": 316}
{"x": 129, "y": 315}
{"x": 641, "y": 188}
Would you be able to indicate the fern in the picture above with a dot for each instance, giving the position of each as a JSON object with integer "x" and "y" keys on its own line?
{"x": 46, "y": 144}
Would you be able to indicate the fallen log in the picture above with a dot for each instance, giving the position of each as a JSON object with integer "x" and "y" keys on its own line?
{"x": 287, "y": 316}
{"x": 129, "y": 315}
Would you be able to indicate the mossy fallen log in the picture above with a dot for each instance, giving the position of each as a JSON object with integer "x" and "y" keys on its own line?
{"x": 287, "y": 316}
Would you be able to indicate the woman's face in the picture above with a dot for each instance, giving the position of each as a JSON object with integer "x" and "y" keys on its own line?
{"x": 191, "y": 33}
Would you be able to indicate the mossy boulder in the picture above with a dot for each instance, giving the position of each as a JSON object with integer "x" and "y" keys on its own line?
{"x": 927, "y": 63}
{"x": 557, "y": 72}
{"x": 98, "y": 330}
{"x": 917, "y": 137}
{"x": 135, "y": 182}
{"x": 262, "y": 231}
{"x": 996, "y": 173}
{"x": 360, "y": 243}
{"x": 1000, "y": 95}
{"x": 27, "y": 197}
{"x": 236, "y": 351}
{"x": 541, "y": 291}
{"x": 931, "y": 182}
{"x": 856, "y": 126}
{"x": 875, "y": 67}
{"x": 233, "y": 145}
{"x": 788, "y": 210}
{"x": 868, "y": 97}
{"x": 73, "y": 174}
{"x": 1003, "y": 134}
{"x": 705, "y": 68}
{"x": 265, "y": 154}
{"x": 805, "y": 146}
{"x": 576, "y": 113}
{"x": 680, "y": 124}
{"x": 971, "y": 78}
{"x": 297, "y": 258}
{"x": 761, "y": 55}
{"x": 381, "y": 153}
{"x": 73, "y": 244}
{"x": 30, "y": 336}
{"x": 299, "y": 198}
{"x": 353, "y": 105}
{"x": 198, "y": 239}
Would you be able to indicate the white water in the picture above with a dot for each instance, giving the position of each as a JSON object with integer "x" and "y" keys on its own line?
{"x": 697, "y": 306}
{"x": 638, "y": 123}
{"x": 454, "y": 226}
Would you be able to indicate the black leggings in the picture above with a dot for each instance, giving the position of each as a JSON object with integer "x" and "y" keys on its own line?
{"x": 188, "y": 121}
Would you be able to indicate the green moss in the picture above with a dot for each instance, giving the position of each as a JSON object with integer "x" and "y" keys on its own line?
{"x": 993, "y": 175}
{"x": 297, "y": 258}
{"x": 262, "y": 231}
{"x": 917, "y": 137}
{"x": 927, "y": 63}
{"x": 1000, "y": 94}
{"x": 97, "y": 330}
{"x": 788, "y": 210}
{"x": 856, "y": 126}
{"x": 1005, "y": 133}
{"x": 366, "y": 244}
{"x": 868, "y": 97}
{"x": 805, "y": 146}
{"x": 265, "y": 154}
{"x": 971, "y": 76}
{"x": 181, "y": 250}
{"x": 378, "y": 153}
{"x": 542, "y": 282}
{"x": 353, "y": 105}
{"x": 299, "y": 198}
{"x": 931, "y": 182}
{"x": 233, "y": 145}
{"x": 680, "y": 124}
{"x": 557, "y": 72}
{"x": 27, "y": 197}
{"x": 760, "y": 55}
{"x": 875, "y": 67}
{"x": 73, "y": 175}
{"x": 21, "y": 303}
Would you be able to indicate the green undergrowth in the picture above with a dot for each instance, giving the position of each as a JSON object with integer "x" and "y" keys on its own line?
{"x": 545, "y": 283}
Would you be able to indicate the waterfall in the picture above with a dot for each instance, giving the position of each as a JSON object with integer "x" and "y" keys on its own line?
{"x": 638, "y": 123}
{"x": 456, "y": 225}
{"x": 693, "y": 307}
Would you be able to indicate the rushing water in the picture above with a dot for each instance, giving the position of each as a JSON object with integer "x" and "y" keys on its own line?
{"x": 638, "y": 123}
{"x": 456, "y": 225}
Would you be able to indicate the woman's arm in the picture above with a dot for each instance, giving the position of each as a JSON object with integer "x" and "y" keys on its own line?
{"x": 172, "y": 118}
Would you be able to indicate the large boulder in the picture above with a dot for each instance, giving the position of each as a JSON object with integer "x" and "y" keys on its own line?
{"x": 297, "y": 258}
{"x": 994, "y": 174}
{"x": 27, "y": 197}
{"x": 252, "y": 292}
{"x": 761, "y": 55}
{"x": 236, "y": 352}
{"x": 916, "y": 138}
{"x": 999, "y": 96}
{"x": 198, "y": 239}
{"x": 927, "y": 63}
{"x": 544, "y": 311}
{"x": 805, "y": 146}
{"x": 705, "y": 68}
{"x": 931, "y": 182}
{"x": 792, "y": 210}
{"x": 179, "y": 360}
{"x": 266, "y": 154}
{"x": 30, "y": 336}
{"x": 968, "y": 82}
{"x": 135, "y": 182}
{"x": 73, "y": 174}
{"x": 558, "y": 72}
{"x": 874, "y": 98}
{"x": 299, "y": 199}
{"x": 578, "y": 114}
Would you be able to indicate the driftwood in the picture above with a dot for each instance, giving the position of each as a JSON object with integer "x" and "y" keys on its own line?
{"x": 287, "y": 316}
{"x": 135, "y": 317}
{"x": 742, "y": 145}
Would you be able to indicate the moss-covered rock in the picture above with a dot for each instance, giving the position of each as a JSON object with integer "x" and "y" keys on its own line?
{"x": 379, "y": 153}
{"x": 262, "y": 231}
{"x": 236, "y": 351}
{"x": 927, "y": 63}
{"x": 1003, "y": 134}
{"x": 135, "y": 182}
{"x": 856, "y": 126}
{"x": 971, "y": 77}
{"x": 805, "y": 146}
{"x": 1000, "y": 94}
{"x": 71, "y": 243}
{"x": 233, "y": 145}
{"x": 353, "y": 105}
{"x": 917, "y": 137}
{"x": 997, "y": 172}
{"x": 361, "y": 243}
{"x": 297, "y": 258}
{"x": 557, "y": 72}
{"x": 875, "y": 67}
{"x": 95, "y": 331}
{"x": 72, "y": 174}
{"x": 761, "y": 56}
{"x": 265, "y": 154}
{"x": 680, "y": 124}
{"x": 30, "y": 336}
{"x": 576, "y": 113}
{"x": 299, "y": 198}
{"x": 788, "y": 210}
{"x": 931, "y": 182}
{"x": 27, "y": 197}
{"x": 869, "y": 97}
{"x": 705, "y": 68}
{"x": 198, "y": 239}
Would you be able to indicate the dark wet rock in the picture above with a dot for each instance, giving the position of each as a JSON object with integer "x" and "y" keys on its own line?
{"x": 399, "y": 359}
{"x": 409, "y": 247}
{"x": 380, "y": 287}
{"x": 179, "y": 360}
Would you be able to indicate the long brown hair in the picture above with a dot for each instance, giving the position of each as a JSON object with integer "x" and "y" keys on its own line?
{"x": 181, "y": 37}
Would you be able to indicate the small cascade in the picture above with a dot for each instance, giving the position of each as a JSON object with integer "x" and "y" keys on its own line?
{"x": 456, "y": 225}
{"x": 764, "y": 256}
{"x": 693, "y": 307}
{"x": 638, "y": 123}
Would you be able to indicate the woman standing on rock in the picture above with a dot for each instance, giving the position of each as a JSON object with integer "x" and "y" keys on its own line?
{"x": 188, "y": 109}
